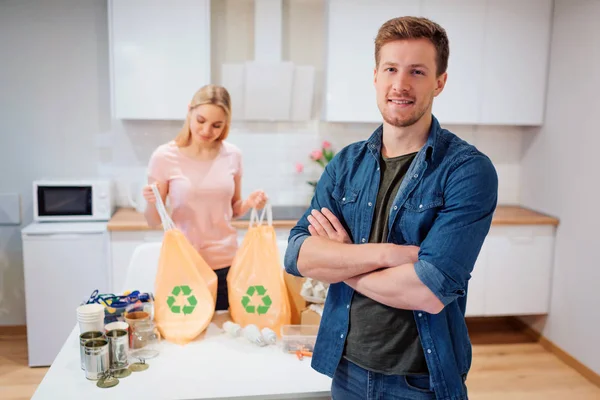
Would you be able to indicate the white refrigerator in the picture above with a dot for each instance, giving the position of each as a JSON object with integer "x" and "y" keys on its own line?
{"x": 63, "y": 264}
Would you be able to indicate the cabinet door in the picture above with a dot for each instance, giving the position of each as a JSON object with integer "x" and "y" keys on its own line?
{"x": 351, "y": 30}
{"x": 517, "y": 41}
{"x": 123, "y": 245}
{"x": 519, "y": 270}
{"x": 476, "y": 293}
{"x": 160, "y": 55}
{"x": 61, "y": 271}
{"x": 463, "y": 21}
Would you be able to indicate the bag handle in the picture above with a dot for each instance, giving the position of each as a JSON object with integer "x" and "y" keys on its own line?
{"x": 167, "y": 222}
{"x": 255, "y": 219}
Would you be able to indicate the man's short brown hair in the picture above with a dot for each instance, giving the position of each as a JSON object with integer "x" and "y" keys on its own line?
{"x": 403, "y": 28}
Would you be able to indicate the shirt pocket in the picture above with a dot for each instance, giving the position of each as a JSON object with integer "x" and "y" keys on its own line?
{"x": 418, "y": 215}
{"x": 346, "y": 199}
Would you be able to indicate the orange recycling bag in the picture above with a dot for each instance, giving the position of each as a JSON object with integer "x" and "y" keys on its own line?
{"x": 185, "y": 286}
{"x": 257, "y": 290}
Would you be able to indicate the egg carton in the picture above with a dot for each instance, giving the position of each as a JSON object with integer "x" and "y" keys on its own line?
{"x": 314, "y": 291}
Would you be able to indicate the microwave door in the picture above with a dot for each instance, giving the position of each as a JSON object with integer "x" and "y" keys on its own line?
{"x": 56, "y": 201}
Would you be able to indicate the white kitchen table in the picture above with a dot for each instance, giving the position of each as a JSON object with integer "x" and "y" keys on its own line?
{"x": 214, "y": 366}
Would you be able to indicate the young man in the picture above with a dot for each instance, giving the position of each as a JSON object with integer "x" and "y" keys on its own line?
{"x": 396, "y": 225}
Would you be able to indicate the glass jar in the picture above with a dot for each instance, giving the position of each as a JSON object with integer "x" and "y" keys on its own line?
{"x": 145, "y": 340}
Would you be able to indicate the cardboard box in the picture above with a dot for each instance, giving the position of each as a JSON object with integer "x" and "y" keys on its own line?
{"x": 297, "y": 302}
{"x": 310, "y": 317}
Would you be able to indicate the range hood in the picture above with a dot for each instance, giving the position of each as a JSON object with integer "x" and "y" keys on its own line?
{"x": 268, "y": 88}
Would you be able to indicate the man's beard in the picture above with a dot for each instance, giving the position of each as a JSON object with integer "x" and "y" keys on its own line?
{"x": 411, "y": 120}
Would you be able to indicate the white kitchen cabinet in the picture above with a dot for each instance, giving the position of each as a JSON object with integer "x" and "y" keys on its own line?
{"x": 63, "y": 264}
{"x": 463, "y": 20}
{"x": 159, "y": 56}
{"x": 518, "y": 271}
{"x": 350, "y": 61}
{"x": 516, "y": 55}
{"x": 477, "y": 285}
{"x": 497, "y": 68}
{"x": 123, "y": 244}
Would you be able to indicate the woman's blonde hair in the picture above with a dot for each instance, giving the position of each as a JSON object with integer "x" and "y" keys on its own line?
{"x": 209, "y": 94}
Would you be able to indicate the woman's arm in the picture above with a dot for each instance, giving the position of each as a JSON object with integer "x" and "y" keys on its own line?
{"x": 237, "y": 203}
{"x": 257, "y": 199}
{"x": 151, "y": 212}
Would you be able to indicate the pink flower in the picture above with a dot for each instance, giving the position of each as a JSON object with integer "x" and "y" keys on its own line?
{"x": 316, "y": 155}
{"x": 326, "y": 145}
{"x": 299, "y": 168}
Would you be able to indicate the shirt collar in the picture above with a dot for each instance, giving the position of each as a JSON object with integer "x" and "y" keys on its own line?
{"x": 375, "y": 140}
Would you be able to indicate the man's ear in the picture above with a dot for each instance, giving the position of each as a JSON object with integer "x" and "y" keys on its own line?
{"x": 441, "y": 83}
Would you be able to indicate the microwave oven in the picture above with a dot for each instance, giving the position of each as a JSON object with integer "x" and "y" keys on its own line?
{"x": 65, "y": 200}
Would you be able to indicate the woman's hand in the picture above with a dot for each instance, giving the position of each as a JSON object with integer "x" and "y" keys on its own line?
{"x": 257, "y": 199}
{"x": 148, "y": 193}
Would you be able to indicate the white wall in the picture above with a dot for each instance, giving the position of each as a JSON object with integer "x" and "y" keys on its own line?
{"x": 560, "y": 176}
{"x": 55, "y": 121}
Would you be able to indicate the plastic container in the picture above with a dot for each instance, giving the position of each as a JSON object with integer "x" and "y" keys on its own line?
{"x": 298, "y": 337}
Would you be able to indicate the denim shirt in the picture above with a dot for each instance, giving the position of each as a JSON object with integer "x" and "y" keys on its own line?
{"x": 445, "y": 206}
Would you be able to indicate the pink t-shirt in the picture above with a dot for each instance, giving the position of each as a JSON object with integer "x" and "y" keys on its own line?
{"x": 200, "y": 195}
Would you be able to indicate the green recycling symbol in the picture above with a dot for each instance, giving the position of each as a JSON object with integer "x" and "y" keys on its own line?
{"x": 265, "y": 300}
{"x": 191, "y": 300}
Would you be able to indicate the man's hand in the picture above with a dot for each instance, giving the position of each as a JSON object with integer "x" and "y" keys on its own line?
{"x": 327, "y": 225}
{"x": 401, "y": 254}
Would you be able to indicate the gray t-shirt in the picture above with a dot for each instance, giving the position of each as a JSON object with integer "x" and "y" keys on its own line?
{"x": 381, "y": 338}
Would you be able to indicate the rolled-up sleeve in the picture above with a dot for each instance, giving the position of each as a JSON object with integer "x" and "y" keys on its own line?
{"x": 322, "y": 198}
{"x": 448, "y": 254}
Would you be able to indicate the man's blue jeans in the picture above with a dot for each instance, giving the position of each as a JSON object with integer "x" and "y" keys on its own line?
{"x": 351, "y": 382}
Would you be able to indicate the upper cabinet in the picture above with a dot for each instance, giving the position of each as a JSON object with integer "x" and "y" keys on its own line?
{"x": 497, "y": 68}
{"x": 463, "y": 21}
{"x": 515, "y": 65}
{"x": 350, "y": 60}
{"x": 159, "y": 56}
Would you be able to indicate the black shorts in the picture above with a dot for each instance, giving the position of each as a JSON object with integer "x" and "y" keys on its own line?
{"x": 222, "y": 294}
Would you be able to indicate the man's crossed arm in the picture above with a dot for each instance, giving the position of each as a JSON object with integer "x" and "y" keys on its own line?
{"x": 384, "y": 272}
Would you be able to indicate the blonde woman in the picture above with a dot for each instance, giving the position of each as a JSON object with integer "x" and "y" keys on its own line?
{"x": 201, "y": 174}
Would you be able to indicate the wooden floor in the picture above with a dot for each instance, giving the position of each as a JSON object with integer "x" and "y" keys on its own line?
{"x": 507, "y": 365}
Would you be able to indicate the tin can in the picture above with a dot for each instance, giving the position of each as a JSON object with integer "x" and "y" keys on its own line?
{"x": 118, "y": 340}
{"x": 96, "y": 357}
{"x": 84, "y": 337}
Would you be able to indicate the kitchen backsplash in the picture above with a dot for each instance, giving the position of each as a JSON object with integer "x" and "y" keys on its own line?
{"x": 272, "y": 150}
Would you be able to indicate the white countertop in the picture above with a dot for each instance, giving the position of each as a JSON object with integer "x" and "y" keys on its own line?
{"x": 214, "y": 366}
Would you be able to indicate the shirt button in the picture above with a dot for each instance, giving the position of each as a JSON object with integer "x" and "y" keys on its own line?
{"x": 420, "y": 205}
{"x": 348, "y": 306}
{"x": 428, "y": 351}
{"x": 416, "y": 176}
{"x": 377, "y": 168}
{"x": 420, "y": 314}
{"x": 342, "y": 336}
{"x": 363, "y": 240}
{"x": 395, "y": 207}
{"x": 343, "y": 199}
{"x": 370, "y": 204}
